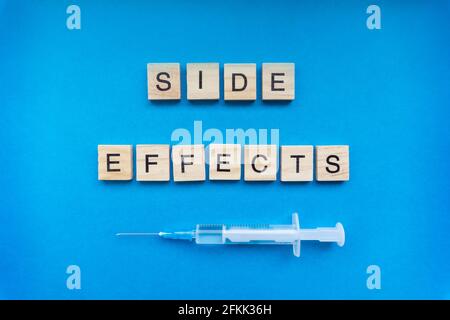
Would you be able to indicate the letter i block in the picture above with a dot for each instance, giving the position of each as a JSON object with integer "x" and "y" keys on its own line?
{"x": 240, "y": 81}
{"x": 260, "y": 162}
{"x": 163, "y": 80}
{"x": 203, "y": 81}
{"x": 224, "y": 161}
{"x": 153, "y": 162}
{"x": 188, "y": 163}
{"x": 296, "y": 163}
{"x": 332, "y": 163}
{"x": 115, "y": 162}
{"x": 278, "y": 81}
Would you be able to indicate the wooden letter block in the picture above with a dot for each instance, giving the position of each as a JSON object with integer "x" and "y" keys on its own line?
{"x": 188, "y": 162}
{"x": 163, "y": 81}
{"x": 115, "y": 162}
{"x": 203, "y": 81}
{"x": 224, "y": 161}
{"x": 332, "y": 163}
{"x": 153, "y": 162}
{"x": 296, "y": 163}
{"x": 260, "y": 162}
{"x": 278, "y": 81}
{"x": 240, "y": 81}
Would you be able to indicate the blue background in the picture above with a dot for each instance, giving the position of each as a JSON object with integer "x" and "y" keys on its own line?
{"x": 384, "y": 92}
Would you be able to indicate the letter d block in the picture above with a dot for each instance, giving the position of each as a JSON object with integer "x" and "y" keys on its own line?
{"x": 163, "y": 80}
{"x": 332, "y": 163}
{"x": 260, "y": 162}
{"x": 188, "y": 163}
{"x": 115, "y": 162}
{"x": 153, "y": 162}
{"x": 240, "y": 81}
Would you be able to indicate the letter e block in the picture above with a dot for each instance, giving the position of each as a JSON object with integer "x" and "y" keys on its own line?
{"x": 260, "y": 162}
{"x": 163, "y": 80}
{"x": 296, "y": 163}
{"x": 115, "y": 162}
{"x": 224, "y": 161}
{"x": 188, "y": 163}
{"x": 278, "y": 81}
{"x": 240, "y": 81}
{"x": 152, "y": 162}
{"x": 332, "y": 163}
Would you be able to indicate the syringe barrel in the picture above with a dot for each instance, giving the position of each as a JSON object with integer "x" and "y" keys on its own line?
{"x": 209, "y": 234}
{"x": 222, "y": 234}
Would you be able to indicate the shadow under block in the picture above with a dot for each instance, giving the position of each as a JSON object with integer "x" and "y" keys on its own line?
{"x": 278, "y": 81}
{"x": 260, "y": 162}
{"x": 203, "y": 81}
{"x": 152, "y": 162}
{"x": 296, "y": 163}
{"x": 240, "y": 81}
{"x": 332, "y": 163}
{"x": 163, "y": 80}
{"x": 188, "y": 163}
{"x": 115, "y": 162}
{"x": 224, "y": 161}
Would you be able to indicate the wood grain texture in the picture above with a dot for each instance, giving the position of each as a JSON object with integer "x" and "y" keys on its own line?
{"x": 203, "y": 81}
{"x": 297, "y": 163}
{"x": 278, "y": 81}
{"x": 249, "y": 71}
{"x": 332, "y": 163}
{"x": 152, "y": 162}
{"x": 188, "y": 163}
{"x": 167, "y": 72}
{"x": 224, "y": 161}
{"x": 115, "y": 162}
{"x": 260, "y": 162}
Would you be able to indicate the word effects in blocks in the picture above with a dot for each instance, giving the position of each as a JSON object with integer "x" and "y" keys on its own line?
{"x": 203, "y": 81}
{"x": 155, "y": 162}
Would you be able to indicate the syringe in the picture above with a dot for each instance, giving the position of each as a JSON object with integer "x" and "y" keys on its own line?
{"x": 260, "y": 234}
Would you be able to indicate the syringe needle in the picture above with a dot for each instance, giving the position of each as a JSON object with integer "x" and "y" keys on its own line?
{"x": 137, "y": 234}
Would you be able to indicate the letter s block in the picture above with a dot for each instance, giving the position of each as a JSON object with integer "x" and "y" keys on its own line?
{"x": 332, "y": 163}
{"x": 163, "y": 80}
{"x": 115, "y": 162}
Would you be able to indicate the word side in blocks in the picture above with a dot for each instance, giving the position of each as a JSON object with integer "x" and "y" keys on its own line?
{"x": 163, "y": 80}
{"x": 188, "y": 163}
{"x": 332, "y": 163}
{"x": 203, "y": 81}
{"x": 153, "y": 162}
{"x": 115, "y": 162}
{"x": 224, "y": 161}
{"x": 260, "y": 162}
{"x": 297, "y": 163}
